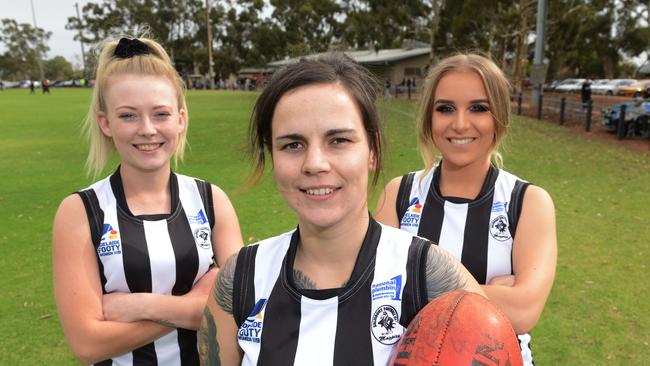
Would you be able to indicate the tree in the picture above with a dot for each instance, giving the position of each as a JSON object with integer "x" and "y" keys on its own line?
{"x": 309, "y": 25}
{"x": 174, "y": 23}
{"x": 384, "y": 24}
{"x": 58, "y": 68}
{"x": 25, "y": 46}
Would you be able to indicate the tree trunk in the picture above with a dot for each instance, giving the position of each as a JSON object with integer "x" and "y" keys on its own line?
{"x": 521, "y": 48}
{"x": 435, "y": 19}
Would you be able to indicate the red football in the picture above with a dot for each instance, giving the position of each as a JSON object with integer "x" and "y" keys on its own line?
{"x": 456, "y": 329}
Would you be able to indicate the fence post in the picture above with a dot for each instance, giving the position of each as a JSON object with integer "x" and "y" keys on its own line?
{"x": 589, "y": 108}
{"x": 519, "y": 100}
{"x": 562, "y": 107}
{"x": 620, "y": 127}
{"x": 539, "y": 106}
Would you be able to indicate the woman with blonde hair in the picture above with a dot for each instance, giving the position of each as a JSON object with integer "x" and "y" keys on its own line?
{"x": 501, "y": 227}
{"x": 133, "y": 253}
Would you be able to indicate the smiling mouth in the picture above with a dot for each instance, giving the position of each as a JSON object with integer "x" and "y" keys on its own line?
{"x": 147, "y": 147}
{"x": 319, "y": 191}
{"x": 463, "y": 141}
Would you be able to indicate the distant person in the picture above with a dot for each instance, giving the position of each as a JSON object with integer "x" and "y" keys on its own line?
{"x": 31, "y": 87}
{"x": 45, "y": 86}
{"x": 585, "y": 93}
{"x": 2, "y": 86}
{"x": 408, "y": 87}
{"x": 387, "y": 93}
{"x": 134, "y": 253}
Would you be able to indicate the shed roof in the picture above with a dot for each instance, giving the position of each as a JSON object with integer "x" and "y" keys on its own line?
{"x": 368, "y": 57}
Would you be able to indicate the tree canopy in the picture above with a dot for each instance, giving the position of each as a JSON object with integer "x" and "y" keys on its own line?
{"x": 589, "y": 38}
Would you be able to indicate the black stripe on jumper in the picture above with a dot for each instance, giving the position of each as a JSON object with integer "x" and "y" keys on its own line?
{"x": 187, "y": 266}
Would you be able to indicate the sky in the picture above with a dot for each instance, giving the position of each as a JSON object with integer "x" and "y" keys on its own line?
{"x": 51, "y": 15}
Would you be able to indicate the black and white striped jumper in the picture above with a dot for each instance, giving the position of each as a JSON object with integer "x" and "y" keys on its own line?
{"x": 358, "y": 324}
{"x": 478, "y": 232}
{"x": 163, "y": 254}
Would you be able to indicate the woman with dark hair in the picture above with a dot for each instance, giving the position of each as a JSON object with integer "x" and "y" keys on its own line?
{"x": 340, "y": 288}
{"x": 499, "y": 226}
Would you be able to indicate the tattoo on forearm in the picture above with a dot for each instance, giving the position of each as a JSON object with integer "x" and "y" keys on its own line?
{"x": 208, "y": 344}
{"x": 443, "y": 272}
{"x": 166, "y": 323}
{"x": 224, "y": 285}
{"x": 303, "y": 282}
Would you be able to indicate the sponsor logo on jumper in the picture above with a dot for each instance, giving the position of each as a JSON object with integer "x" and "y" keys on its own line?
{"x": 412, "y": 215}
{"x": 390, "y": 289}
{"x": 385, "y": 325}
{"x": 500, "y": 207}
{"x": 110, "y": 242}
{"x": 199, "y": 218}
{"x": 251, "y": 330}
{"x": 499, "y": 228}
{"x": 202, "y": 237}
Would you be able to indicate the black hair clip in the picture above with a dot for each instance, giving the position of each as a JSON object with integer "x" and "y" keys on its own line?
{"x": 127, "y": 48}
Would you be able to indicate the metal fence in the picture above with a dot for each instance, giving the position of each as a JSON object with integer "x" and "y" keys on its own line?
{"x": 565, "y": 110}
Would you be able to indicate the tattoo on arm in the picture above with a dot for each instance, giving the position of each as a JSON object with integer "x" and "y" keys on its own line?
{"x": 208, "y": 344}
{"x": 303, "y": 282}
{"x": 443, "y": 272}
{"x": 224, "y": 284}
{"x": 166, "y": 323}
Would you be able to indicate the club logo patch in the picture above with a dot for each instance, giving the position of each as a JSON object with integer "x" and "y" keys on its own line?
{"x": 110, "y": 242}
{"x": 202, "y": 237}
{"x": 385, "y": 325}
{"x": 251, "y": 330}
{"x": 499, "y": 228}
{"x": 412, "y": 215}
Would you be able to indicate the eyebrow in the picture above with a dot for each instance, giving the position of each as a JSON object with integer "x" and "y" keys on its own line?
{"x": 446, "y": 101}
{"x": 329, "y": 133}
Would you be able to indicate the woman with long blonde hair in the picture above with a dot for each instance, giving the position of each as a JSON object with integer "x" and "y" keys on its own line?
{"x": 501, "y": 227}
{"x": 133, "y": 253}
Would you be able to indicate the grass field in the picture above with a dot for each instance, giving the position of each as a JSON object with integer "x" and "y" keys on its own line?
{"x": 597, "y": 314}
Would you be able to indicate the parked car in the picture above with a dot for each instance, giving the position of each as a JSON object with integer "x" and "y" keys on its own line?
{"x": 569, "y": 85}
{"x": 635, "y": 90}
{"x": 549, "y": 87}
{"x": 640, "y": 115}
{"x": 612, "y": 87}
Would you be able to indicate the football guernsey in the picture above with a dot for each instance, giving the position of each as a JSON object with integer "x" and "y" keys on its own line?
{"x": 358, "y": 324}
{"x": 162, "y": 254}
{"x": 478, "y": 232}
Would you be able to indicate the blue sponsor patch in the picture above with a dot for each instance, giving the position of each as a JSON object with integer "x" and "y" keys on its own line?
{"x": 199, "y": 218}
{"x": 412, "y": 215}
{"x": 110, "y": 242}
{"x": 390, "y": 289}
{"x": 251, "y": 330}
{"x": 499, "y": 206}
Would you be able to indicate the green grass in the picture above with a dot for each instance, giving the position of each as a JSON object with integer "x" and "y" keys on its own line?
{"x": 597, "y": 313}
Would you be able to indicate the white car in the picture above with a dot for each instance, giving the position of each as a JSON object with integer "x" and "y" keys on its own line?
{"x": 611, "y": 88}
{"x": 569, "y": 85}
